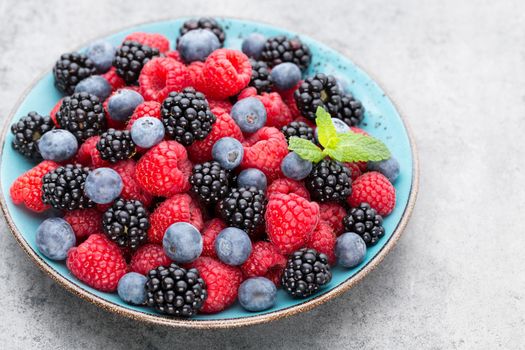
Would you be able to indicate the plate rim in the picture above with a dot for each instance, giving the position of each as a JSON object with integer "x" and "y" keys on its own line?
{"x": 223, "y": 323}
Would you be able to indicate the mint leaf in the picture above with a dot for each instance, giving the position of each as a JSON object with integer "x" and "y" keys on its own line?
{"x": 305, "y": 149}
{"x": 325, "y": 127}
{"x": 352, "y": 147}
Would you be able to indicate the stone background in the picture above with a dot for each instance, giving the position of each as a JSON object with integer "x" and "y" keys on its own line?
{"x": 456, "y": 279}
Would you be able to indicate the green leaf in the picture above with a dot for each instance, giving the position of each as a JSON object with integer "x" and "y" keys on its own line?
{"x": 352, "y": 147}
{"x": 325, "y": 127}
{"x": 305, "y": 149}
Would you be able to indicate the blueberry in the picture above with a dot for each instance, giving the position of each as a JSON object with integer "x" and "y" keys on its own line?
{"x": 182, "y": 242}
{"x": 295, "y": 167}
{"x": 257, "y": 294}
{"x": 122, "y": 104}
{"x": 103, "y": 185}
{"x": 54, "y": 237}
{"x": 340, "y": 127}
{"x": 95, "y": 85}
{"x": 146, "y": 132}
{"x": 233, "y": 246}
{"x": 252, "y": 177}
{"x": 58, "y": 145}
{"x": 350, "y": 249}
{"x": 253, "y": 45}
{"x": 132, "y": 288}
{"x": 228, "y": 152}
{"x": 249, "y": 114}
{"x": 388, "y": 167}
{"x": 197, "y": 44}
{"x": 285, "y": 76}
{"x": 102, "y": 54}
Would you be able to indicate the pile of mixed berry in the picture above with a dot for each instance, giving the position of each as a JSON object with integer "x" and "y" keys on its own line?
{"x": 188, "y": 179}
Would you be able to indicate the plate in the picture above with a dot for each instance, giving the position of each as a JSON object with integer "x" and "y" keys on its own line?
{"x": 382, "y": 120}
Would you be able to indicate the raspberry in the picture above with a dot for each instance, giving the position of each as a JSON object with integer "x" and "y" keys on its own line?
{"x": 145, "y": 109}
{"x": 131, "y": 188}
{"x": 210, "y": 231}
{"x": 266, "y": 261}
{"x": 289, "y": 100}
{"x": 222, "y": 282}
{"x": 196, "y": 76}
{"x": 355, "y": 169}
{"x": 248, "y": 92}
{"x": 114, "y": 79}
{"x": 174, "y": 54}
{"x": 162, "y": 75}
{"x": 323, "y": 240}
{"x": 84, "y": 222}
{"x": 265, "y": 150}
{"x": 97, "y": 262}
{"x": 333, "y": 214}
{"x": 97, "y": 160}
{"x": 224, "y": 104}
{"x": 287, "y": 186}
{"x": 53, "y": 113}
{"x": 200, "y": 151}
{"x": 290, "y": 219}
{"x": 84, "y": 152}
{"x": 374, "y": 189}
{"x": 278, "y": 113}
{"x": 164, "y": 170}
{"x": 155, "y": 40}
{"x": 27, "y": 188}
{"x": 179, "y": 208}
{"x": 147, "y": 258}
{"x": 358, "y": 130}
{"x": 227, "y": 72}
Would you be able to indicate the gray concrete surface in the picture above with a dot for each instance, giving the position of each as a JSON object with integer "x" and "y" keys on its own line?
{"x": 457, "y": 278}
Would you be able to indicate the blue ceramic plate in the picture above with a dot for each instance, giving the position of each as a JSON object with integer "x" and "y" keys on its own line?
{"x": 382, "y": 120}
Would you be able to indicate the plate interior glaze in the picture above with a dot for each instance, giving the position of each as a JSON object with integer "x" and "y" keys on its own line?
{"x": 382, "y": 120}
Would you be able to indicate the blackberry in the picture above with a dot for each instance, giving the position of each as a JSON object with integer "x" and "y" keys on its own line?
{"x": 203, "y": 23}
{"x": 365, "y": 221}
{"x": 244, "y": 208}
{"x": 115, "y": 145}
{"x": 281, "y": 49}
{"x": 175, "y": 291}
{"x": 27, "y": 131}
{"x": 70, "y": 69}
{"x": 126, "y": 223}
{"x": 129, "y": 59}
{"x": 82, "y": 114}
{"x": 305, "y": 273}
{"x": 299, "y": 129}
{"x": 351, "y": 111}
{"x": 318, "y": 91}
{"x": 209, "y": 181}
{"x": 187, "y": 116}
{"x": 329, "y": 181}
{"x": 260, "y": 77}
{"x": 63, "y": 188}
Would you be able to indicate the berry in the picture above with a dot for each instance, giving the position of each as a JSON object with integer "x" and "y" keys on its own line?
{"x": 253, "y": 45}
{"x": 131, "y": 188}
{"x": 103, "y": 185}
{"x": 182, "y": 242}
{"x": 53, "y": 113}
{"x": 70, "y": 69}
{"x": 227, "y": 72}
{"x": 290, "y": 219}
{"x": 197, "y": 79}
{"x": 388, "y": 167}
{"x": 82, "y": 114}
{"x": 295, "y": 167}
{"x": 233, "y": 246}
{"x": 204, "y": 23}
{"x": 145, "y": 109}
{"x": 340, "y": 128}
{"x": 126, "y": 223}
{"x": 63, "y": 187}
{"x": 354, "y": 169}
{"x": 101, "y": 53}
{"x": 130, "y": 57}
{"x": 147, "y": 132}
{"x": 131, "y": 288}
{"x": 54, "y": 237}
{"x": 27, "y": 131}
{"x": 249, "y": 114}
{"x": 278, "y": 113}
{"x": 122, "y": 104}
{"x": 329, "y": 181}
{"x": 298, "y": 129}
{"x": 175, "y": 291}
{"x": 115, "y": 145}
{"x": 84, "y": 222}
{"x": 350, "y": 250}
{"x": 285, "y": 76}
{"x": 247, "y": 92}
{"x": 210, "y": 232}
{"x": 95, "y": 85}
{"x": 209, "y": 181}
{"x": 228, "y": 152}
{"x": 323, "y": 240}
{"x": 261, "y": 78}
{"x": 164, "y": 170}
{"x": 364, "y": 221}
{"x": 222, "y": 282}
{"x": 114, "y": 79}
{"x": 162, "y": 75}
{"x": 257, "y": 294}
{"x": 252, "y": 177}
{"x": 27, "y": 188}
{"x": 374, "y": 189}
{"x": 154, "y": 40}
{"x": 98, "y": 263}
{"x": 333, "y": 214}
{"x": 306, "y": 272}
{"x": 287, "y": 186}
{"x": 352, "y": 111}
{"x": 178, "y": 208}
{"x": 187, "y": 116}
{"x": 243, "y": 208}
{"x": 318, "y": 91}
{"x": 197, "y": 44}
{"x": 147, "y": 258}
{"x": 281, "y": 49}
{"x": 264, "y": 261}
{"x": 174, "y": 54}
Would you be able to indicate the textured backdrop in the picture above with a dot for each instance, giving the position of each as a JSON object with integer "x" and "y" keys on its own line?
{"x": 456, "y": 279}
